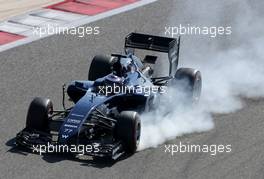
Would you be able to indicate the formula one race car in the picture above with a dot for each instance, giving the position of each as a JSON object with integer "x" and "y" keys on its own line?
{"x": 107, "y": 107}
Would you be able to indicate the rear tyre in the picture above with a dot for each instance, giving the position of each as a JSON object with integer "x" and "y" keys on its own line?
{"x": 190, "y": 82}
{"x": 128, "y": 130}
{"x": 100, "y": 67}
{"x": 38, "y": 115}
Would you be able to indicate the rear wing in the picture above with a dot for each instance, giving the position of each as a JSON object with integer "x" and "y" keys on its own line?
{"x": 156, "y": 43}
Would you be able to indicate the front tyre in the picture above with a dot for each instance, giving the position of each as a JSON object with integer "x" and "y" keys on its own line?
{"x": 128, "y": 130}
{"x": 100, "y": 67}
{"x": 39, "y": 111}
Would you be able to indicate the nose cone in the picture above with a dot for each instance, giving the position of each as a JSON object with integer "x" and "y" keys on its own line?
{"x": 79, "y": 114}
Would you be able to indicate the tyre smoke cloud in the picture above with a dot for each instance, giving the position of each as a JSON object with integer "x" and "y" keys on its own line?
{"x": 232, "y": 67}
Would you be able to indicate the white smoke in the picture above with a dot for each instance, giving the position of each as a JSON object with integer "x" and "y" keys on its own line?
{"x": 232, "y": 67}
{"x": 172, "y": 118}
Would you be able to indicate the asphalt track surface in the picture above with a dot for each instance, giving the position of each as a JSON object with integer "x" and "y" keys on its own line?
{"x": 41, "y": 67}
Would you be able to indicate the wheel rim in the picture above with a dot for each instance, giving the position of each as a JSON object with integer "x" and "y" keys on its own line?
{"x": 50, "y": 110}
{"x": 197, "y": 89}
{"x": 138, "y": 133}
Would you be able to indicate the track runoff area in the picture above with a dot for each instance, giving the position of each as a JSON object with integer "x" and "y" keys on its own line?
{"x": 41, "y": 23}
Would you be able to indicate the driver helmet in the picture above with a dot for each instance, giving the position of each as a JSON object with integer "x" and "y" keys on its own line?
{"x": 127, "y": 66}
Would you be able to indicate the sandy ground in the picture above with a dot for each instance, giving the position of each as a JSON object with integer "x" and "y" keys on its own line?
{"x": 10, "y": 8}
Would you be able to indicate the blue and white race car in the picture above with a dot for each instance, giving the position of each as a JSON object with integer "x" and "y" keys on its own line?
{"x": 107, "y": 107}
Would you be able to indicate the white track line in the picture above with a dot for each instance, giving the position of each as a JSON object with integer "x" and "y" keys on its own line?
{"x": 58, "y": 15}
